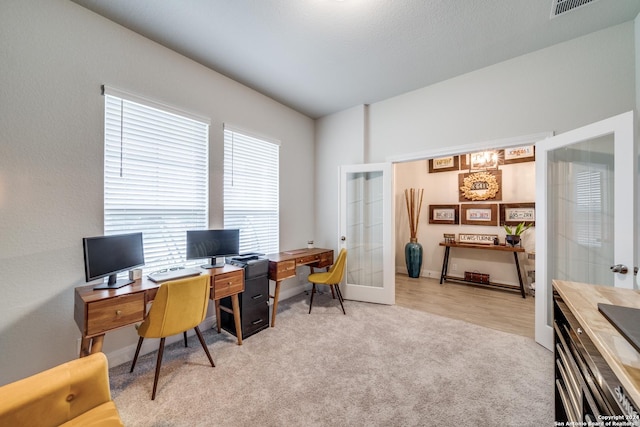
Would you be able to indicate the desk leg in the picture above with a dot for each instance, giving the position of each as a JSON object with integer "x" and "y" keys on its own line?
{"x": 85, "y": 347}
{"x": 515, "y": 256}
{"x": 217, "y": 304}
{"x": 445, "y": 264}
{"x": 275, "y": 303}
{"x": 236, "y": 317}
{"x": 91, "y": 345}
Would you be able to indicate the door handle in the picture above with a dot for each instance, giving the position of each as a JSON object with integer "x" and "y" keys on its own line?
{"x": 343, "y": 238}
{"x": 619, "y": 268}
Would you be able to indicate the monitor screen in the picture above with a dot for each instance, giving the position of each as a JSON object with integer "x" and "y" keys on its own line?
{"x": 106, "y": 256}
{"x": 212, "y": 244}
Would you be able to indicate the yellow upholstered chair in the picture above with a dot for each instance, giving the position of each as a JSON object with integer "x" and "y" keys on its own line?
{"x": 332, "y": 278}
{"x": 178, "y": 306}
{"x": 75, "y": 393}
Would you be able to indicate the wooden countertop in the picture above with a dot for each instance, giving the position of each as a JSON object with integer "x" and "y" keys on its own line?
{"x": 583, "y": 301}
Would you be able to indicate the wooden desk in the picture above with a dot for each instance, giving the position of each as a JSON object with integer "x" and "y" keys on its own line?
{"x": 513, "y": 249}
{"x": 99, "y": 311}
{"x": 283, "y": 265}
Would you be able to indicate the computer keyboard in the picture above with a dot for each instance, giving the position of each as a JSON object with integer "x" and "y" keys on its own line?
{"x": 180, "y": 273}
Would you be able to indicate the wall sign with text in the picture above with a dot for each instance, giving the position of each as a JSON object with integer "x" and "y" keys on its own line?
{"x": 479, "y": 214}
{"x": 515, "y": 213}
{"x": 478, "y": 186}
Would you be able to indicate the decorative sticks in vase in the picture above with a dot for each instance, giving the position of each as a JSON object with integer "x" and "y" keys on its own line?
{"x": 413, "y": 249}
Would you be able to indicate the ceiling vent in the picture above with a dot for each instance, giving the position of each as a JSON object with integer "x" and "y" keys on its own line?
{"x": 560, "y": 7}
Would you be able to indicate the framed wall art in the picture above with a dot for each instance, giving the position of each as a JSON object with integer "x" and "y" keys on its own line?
{"x": 525, "y": 153}
{"x": 444, "y": 164}
{"x": 482, "y": 160}
{"x": 479, "y": 186}
{"x": 479, "y": 214}
{"x": 515, "y": 213}
{"x": 443, "y": 214}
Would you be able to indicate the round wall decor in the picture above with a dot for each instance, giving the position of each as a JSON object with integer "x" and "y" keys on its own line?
{"x": 480, "y": 186}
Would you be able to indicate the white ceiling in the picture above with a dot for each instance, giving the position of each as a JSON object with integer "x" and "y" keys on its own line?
{"x": 324, "y": 56}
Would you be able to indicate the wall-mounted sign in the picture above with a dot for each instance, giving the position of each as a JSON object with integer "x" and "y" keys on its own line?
{"x": 477, "y": 186}
{"x": 515, "y": 213}
{"x": 525, "y": 153}
{"x": 443, "y": 214}
{"x": 480, "y": 214}
{"x": 444, "y": 164}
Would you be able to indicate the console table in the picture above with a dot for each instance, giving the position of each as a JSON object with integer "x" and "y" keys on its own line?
{"x": 99, "y": 311}
{"x": 513, "y": 249}
{"x": 282, "y": 265}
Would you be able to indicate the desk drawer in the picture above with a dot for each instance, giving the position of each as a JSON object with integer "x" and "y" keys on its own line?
{"x": 227, "y": 284}
{"x": 326, "y": 259}
{"x": 255, "y": 318}
{"x": 114, "y": 312}
{"x": 282, "y": 270}
{"x": 309, "y": 259}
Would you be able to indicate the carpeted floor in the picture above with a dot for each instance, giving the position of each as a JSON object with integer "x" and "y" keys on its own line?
{"x": 376, "y": 366}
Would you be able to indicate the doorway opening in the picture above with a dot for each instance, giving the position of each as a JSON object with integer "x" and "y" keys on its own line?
{"x": 447, "y": 211}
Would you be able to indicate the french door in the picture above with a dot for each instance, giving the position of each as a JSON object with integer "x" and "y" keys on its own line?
{"x": 586, "y": 203}
{"x": 366, "y": 231}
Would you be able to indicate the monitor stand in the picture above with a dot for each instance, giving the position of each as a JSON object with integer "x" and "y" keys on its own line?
{"x": 214, "y": 264}
{"x": 113, "y": 283}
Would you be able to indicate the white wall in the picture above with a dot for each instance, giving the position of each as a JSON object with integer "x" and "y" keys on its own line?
{"x": 555, "y": 89}
{"x": 341, "y": 140}
{"x": 54, "y": 56}
{"x": 637, "y": 61}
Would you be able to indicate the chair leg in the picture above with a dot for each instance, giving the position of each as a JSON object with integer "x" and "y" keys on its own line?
{"x": 158, "y": 363}
{"x": 204, "y": 346}
{"x": 185, "y": 338}
{"x": 333, "y": 294}
{"x": 313, "y": 291}
{"x": 135, "y": 358}
{"x": 339, "y": 292}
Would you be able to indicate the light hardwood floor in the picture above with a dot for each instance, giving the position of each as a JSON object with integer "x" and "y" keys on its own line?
{"x": 493, "y": 308}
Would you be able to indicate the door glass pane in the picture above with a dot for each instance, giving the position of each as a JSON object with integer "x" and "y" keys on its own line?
{"x": 580, "y": 209}
{"x": 364, "y": 228}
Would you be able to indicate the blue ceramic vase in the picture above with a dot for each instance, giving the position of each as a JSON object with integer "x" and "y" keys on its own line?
{"x": 413, "y": 257}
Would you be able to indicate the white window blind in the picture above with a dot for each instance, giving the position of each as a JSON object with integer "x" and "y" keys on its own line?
{"x": 251, "y": 169}
{"x": 155, "y": 178}
{"x": 588, "y": 215}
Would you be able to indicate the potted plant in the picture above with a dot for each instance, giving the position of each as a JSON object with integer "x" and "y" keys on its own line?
{"x": 514, "y": 233}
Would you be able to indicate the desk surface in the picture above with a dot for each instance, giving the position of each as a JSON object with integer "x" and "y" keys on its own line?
{"x": 296, "y": 254}
{"x": 582, "y": 299}
{"x": 503, "y": 248}
{"x": 88, "y": 294}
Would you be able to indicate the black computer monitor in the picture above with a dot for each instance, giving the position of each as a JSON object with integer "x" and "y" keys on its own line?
{"x": 213, "y": 244}
{"x": 106, "y": 256}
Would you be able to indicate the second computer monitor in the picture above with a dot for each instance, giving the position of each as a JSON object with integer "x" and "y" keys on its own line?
{"x": 213, "y": 244}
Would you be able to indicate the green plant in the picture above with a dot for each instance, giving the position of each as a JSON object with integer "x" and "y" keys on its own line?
{"x": 517, "y": 230}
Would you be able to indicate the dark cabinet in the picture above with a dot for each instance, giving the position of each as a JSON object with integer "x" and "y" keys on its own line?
{"x": 253, "y": 302}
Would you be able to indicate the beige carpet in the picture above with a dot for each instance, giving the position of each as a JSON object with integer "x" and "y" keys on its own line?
{"x": 376, "y": 366}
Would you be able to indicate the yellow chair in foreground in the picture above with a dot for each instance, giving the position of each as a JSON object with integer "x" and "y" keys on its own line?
{"x": 331, "y": 278}
{"x": 75, "y": 393}
{"x": 178, "y": 306}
